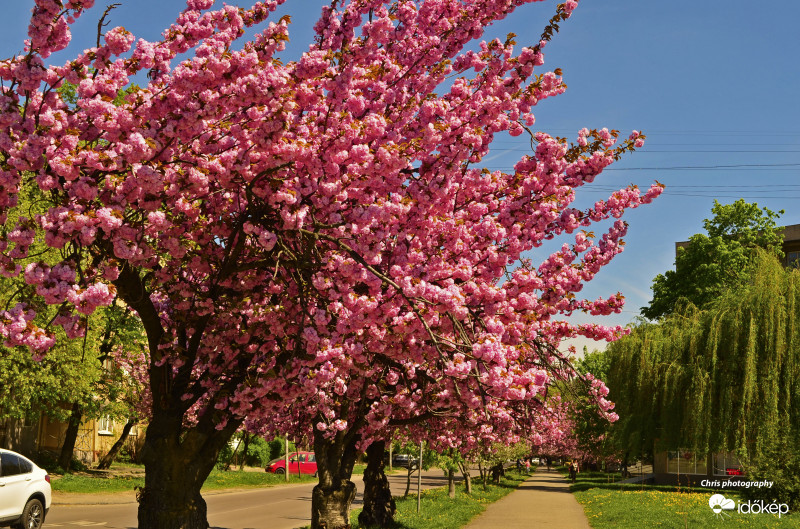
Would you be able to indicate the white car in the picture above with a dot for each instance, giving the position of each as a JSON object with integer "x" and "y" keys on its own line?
{"x": 24, "y": 492}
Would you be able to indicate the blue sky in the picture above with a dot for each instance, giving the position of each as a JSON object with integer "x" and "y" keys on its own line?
{"x": 712, "y": 84}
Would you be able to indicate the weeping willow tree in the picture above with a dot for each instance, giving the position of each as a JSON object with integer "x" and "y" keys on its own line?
{"x": 726, "y": 378}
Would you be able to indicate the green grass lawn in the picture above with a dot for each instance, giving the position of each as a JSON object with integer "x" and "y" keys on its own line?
{"x": 216, "y": 480}
{"x": 614, "y": 506}
{"x": 440, "y": 512}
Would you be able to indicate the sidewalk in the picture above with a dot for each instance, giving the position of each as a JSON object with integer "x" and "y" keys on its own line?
{"x": 543, "y": 500}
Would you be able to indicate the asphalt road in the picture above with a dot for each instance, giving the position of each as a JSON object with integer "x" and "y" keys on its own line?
{"x": 283, "y": 507}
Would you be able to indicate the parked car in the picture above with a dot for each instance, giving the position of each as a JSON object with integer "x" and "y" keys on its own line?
{"x": 299, "y": 463}
{"x": 404, "y": 460}
{"x": 24, "y": 491}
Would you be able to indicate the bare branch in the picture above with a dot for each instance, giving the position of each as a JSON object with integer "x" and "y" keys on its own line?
{"x": 102, "y": 22}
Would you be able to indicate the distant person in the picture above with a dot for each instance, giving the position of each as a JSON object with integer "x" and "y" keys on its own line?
{"x": 548, "y": 464}
{"x": 527, "y": 466}
{"x": 573, "y": 470}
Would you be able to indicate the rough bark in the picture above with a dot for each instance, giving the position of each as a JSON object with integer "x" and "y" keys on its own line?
{"x": 464, "y": 467}
{"x": 177, "y": 460}
{"x": 332, "y": 497}
{"x": 379, "y": 506}
{"x": 105, "y": 462}
{"x": 70, "y": 437}
{"x": 482, "y": 471}
{"x": 409, "y": 471}
{"x": 177, "y": 463}
{"x": 451, "y": 483}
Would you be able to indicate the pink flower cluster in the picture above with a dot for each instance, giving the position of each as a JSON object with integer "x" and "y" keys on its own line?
{"x": 17, "y": 328}
{"x": 314, "y": 242}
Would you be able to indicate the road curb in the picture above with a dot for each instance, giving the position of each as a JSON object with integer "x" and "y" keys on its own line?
{"x": 64, "y": 499}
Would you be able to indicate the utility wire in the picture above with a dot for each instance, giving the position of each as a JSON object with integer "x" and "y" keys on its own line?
{"x": 689, "y": 167}
{"x": 698, "y": 167}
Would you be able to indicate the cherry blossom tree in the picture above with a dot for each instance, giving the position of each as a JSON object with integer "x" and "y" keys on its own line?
{"x": 304, "y": 239}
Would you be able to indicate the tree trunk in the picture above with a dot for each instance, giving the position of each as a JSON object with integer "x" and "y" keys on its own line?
{"x": 233, "y": 456}
{"x": 71, "y": 435}
{"x": 464, "y": 467}
{"x": 244, "y": 452}
{"x": 332, "y": 497}
{"x": 409, "y": 471}
{"x": 4, "y": 432}
{"x": 483, "y": 471}
{"x": 105, "y": 462}
{"x": 379, "y": 507}
{"x": 177, "y": 463}
{"x": 451, "y": 483}
{"x": 497, "y": 472}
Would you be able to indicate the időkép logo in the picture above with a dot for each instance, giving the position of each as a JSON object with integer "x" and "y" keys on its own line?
{"x": 722, "y": 505}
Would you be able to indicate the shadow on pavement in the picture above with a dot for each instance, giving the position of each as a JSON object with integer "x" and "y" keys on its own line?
{"x": 545, "y": 482}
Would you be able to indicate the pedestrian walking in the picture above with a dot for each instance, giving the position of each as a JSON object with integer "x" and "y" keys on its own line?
{"x": 573, "y": 470}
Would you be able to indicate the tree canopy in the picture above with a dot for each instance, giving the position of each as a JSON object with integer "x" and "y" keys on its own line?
{"x": 723, "y": 378}
{"x": 716, "y": 260}
{"x": 309, "y": 244}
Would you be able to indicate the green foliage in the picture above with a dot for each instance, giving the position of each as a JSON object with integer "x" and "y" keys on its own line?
{"x": 777, "y": 460}
{"x": 224, "y": 457}
{"x": 430, "y": 458}
{"x": 276, "y": 447}
{"x": 502, "y": 452}
{"x": 49, "y": 461}
{"x": 449, "y": 460}
{"x": 258, "y": 452}
{"x": 595, "y": 363}
{"x": 715, "y": 261}
{"x": 73, "y": 371}
{"x": 724, "y": 378}
{"x": 69, "y": 93}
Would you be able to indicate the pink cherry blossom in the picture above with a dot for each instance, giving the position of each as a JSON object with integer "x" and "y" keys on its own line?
{"x": 312, "y": 242}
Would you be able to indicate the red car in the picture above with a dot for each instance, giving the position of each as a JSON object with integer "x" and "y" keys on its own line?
{"x": 306, "y": 462}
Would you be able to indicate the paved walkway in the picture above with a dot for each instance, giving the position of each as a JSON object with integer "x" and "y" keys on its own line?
{"x": 543, "y": 500}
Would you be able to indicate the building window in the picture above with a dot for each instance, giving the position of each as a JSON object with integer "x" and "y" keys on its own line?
{"x": 793, "y": 259}
{"x": 105, "y": 425}
{"x": 727, "y": 464}
{"x": 685, "y": 462}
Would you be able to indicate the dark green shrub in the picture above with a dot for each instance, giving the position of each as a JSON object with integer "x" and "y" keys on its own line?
{"x": 782, "y": 468}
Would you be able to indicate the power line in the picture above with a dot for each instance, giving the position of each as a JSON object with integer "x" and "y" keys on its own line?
{"x": 699, "y": 167}
{"x": 743, "y": 166}
{"x": 650, "y": 132}
{"x": 515, "y": 149}
{"x": 792, "y": 187}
